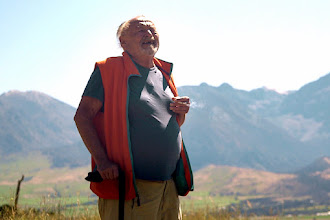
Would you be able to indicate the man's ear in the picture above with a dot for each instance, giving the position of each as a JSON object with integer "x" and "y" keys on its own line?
{"x": 122, "y": 42}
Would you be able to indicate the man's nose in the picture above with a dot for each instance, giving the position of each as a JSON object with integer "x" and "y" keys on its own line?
{"x": 149, "y": 33}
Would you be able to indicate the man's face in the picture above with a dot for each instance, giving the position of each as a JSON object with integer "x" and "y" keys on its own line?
{"x": 141, "y": 39}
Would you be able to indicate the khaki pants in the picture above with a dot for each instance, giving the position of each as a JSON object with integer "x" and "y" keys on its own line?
{"x": 158, "y": 199}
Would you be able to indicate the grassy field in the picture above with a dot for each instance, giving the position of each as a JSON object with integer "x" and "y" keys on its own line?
{"x": 202, "y": 200}
{"x": 197, "y": 206}
{"x": 89, "y": 212}
{"x": 75, "y": 201}
{"x": 62, "y": 193}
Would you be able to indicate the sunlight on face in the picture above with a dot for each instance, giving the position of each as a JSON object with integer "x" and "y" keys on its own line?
{"x": 141, "y": 38}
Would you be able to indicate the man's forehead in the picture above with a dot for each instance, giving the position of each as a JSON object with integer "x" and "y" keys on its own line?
{"x": 142, "y": 23}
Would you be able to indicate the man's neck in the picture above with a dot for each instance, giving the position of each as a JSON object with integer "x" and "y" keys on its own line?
{"x": 147, "y": 62}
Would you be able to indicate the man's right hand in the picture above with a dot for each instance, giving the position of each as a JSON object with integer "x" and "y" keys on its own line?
{"x": 108, "y": 170}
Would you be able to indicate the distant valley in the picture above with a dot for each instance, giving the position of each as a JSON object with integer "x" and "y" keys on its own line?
{"x": 313, "y": 181}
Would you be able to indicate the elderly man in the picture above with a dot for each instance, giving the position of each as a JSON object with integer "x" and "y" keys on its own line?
{"x": 129, "y": 118}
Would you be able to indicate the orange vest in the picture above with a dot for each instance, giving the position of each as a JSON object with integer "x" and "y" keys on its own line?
{"x": 113, "y": 125}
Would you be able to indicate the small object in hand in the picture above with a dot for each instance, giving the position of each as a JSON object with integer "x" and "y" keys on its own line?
{"x": 94, "y": 176}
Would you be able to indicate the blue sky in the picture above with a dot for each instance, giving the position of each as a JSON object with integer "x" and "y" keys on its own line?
{"x": 51, "y": 46}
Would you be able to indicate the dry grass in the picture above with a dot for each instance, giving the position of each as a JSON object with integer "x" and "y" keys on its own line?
{"x": 52, "y": 213}
{"x": 9, "y": 213}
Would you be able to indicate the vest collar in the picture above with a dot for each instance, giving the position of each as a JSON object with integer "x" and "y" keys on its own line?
{"x": 129, "y": 66}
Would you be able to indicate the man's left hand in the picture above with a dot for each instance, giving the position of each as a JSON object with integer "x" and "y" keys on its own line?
{"x": 180, "y": 105}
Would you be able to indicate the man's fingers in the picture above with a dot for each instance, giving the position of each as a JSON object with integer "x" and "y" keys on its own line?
{"x": 182, "y": 100}
{"x": 179, "y": 107}
{"x": 115, "y": 173}
{"x": 110, "y": 173}
{"x": 103, "y": 175}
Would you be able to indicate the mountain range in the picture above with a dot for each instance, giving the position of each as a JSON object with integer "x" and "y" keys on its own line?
{"x": 259, "y": 129}
{"x": 33, "y": 123}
